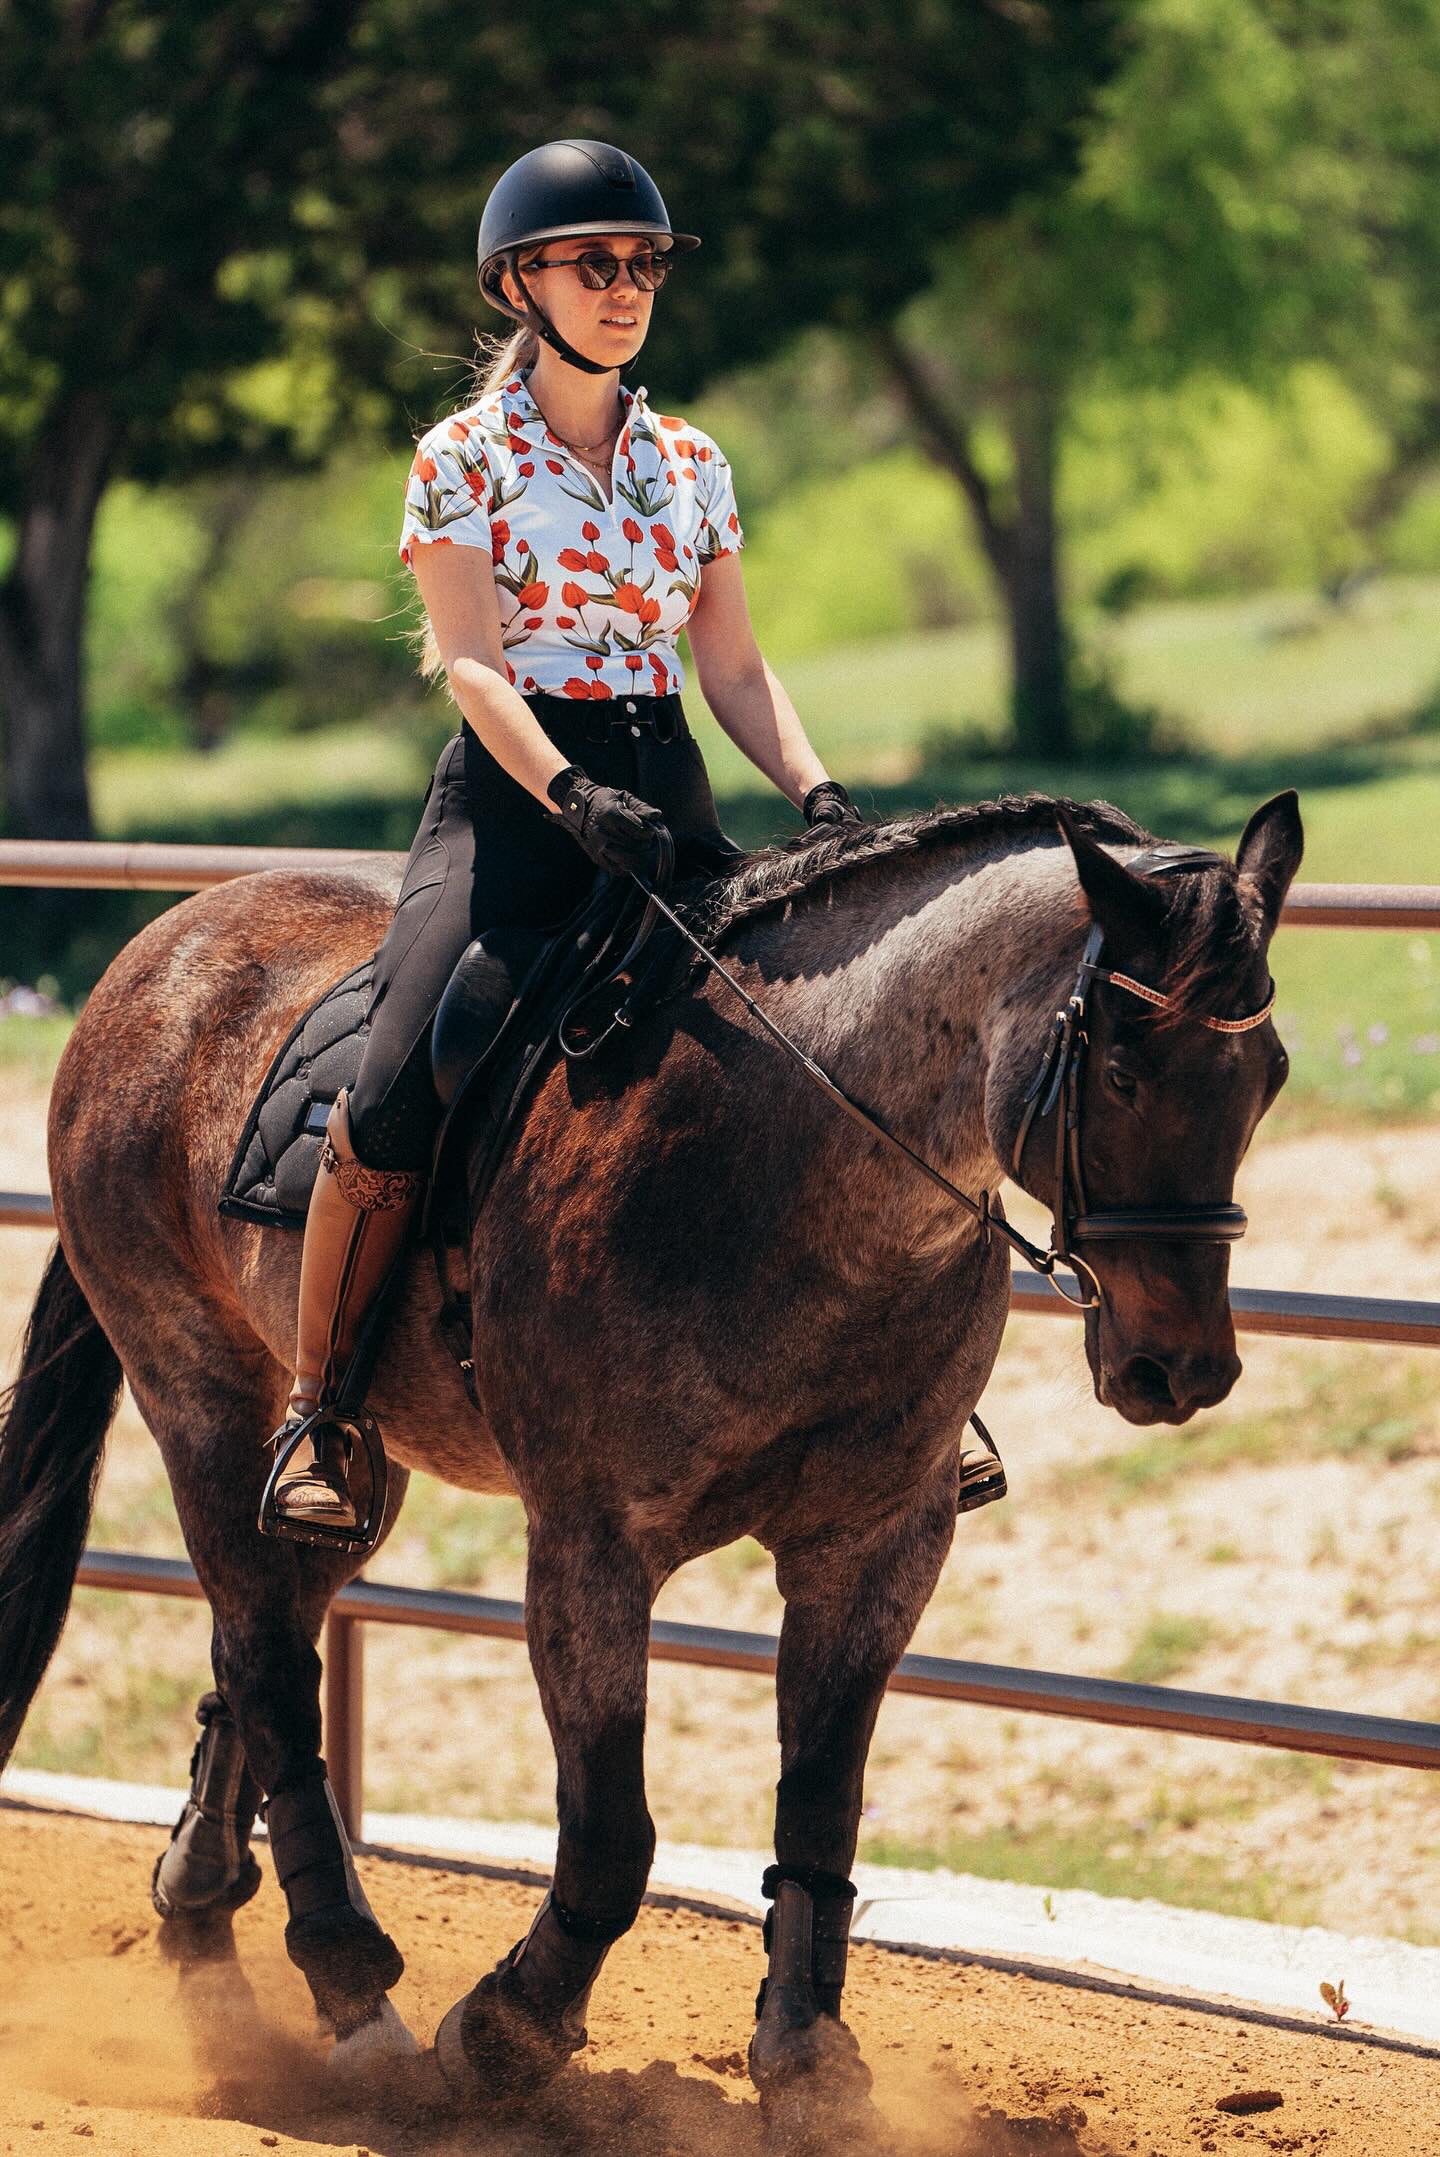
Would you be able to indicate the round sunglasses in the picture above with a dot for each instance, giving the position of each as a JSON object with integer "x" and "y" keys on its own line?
{"x": 599, "y": 269}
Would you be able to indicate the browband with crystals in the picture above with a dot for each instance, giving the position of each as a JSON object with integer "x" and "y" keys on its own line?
{"x": 1218, "y": 1026}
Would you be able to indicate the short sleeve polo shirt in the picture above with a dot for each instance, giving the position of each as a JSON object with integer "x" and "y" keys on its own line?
{"x": 593, "y": 594}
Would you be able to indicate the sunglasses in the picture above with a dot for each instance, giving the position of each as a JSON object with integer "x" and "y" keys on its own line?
{"x": 597, "y": 271}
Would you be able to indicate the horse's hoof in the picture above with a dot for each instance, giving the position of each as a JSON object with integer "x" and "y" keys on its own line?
{"x": 814, "y": 2087}
{"x": 493, "y": 2050}
{"x": 371, "y": 2052}
{"x": 348, "y": 1963}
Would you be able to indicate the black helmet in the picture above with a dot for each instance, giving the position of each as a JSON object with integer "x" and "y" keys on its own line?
{"x": 565, "y": 188}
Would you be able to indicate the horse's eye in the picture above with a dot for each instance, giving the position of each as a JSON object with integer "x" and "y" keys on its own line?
{"x": 1121, "y": 1081}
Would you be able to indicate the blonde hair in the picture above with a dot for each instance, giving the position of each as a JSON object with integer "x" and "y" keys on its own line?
{"x": 498, "y": 358}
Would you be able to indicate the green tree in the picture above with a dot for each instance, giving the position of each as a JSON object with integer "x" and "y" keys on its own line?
{"x": 229, "y": 229}
{"x": 1228, "y": 217}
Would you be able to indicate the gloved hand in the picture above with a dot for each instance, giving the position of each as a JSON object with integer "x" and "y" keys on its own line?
{"x": 828, "y": 803}
{"x": 617, "y": 830}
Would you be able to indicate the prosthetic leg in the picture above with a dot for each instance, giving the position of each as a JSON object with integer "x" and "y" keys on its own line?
{"x": 356, "y": 1228}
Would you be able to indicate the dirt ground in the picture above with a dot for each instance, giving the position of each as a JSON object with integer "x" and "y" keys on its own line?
{"x": 101, "y": 2038}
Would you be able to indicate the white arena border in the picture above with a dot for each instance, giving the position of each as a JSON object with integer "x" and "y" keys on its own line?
{"x": 1232, "y": 1964}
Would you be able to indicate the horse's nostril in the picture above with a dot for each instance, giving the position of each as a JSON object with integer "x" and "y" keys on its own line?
{"x": 1144, "y": 1376}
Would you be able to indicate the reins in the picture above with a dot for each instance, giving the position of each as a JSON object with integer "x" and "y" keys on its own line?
{"x": 1059, "y": 1074}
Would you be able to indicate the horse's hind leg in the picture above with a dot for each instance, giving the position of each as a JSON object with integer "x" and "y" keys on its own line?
{"x": 587, "y": 1619}
{"x": 848, "y": 1617}
{"x": 210, "y": 1404}
{"x": 206, "y": 1871}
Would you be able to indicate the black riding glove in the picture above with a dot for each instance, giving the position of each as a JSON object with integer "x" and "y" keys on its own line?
{"x": 828, "y": 803}
{"x": 617, "y": 830}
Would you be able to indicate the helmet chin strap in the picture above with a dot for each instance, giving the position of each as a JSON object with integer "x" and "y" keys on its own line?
{"x": 544, "y": 327}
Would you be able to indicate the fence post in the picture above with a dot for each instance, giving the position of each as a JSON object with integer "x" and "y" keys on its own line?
{"x": 345, "y": 1717}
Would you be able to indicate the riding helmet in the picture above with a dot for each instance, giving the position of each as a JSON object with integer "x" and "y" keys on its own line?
{"x": 565, "y": 188}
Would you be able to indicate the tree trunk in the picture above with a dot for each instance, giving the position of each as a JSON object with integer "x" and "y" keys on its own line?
{"x": 42, "y": 624}
{"x": 1041, "y": 708}
{"x": 1022, "y": 548}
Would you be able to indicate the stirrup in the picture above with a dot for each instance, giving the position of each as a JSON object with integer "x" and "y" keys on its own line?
{"x": 982, "y": 1475}
{"x": 352, "y": 1429}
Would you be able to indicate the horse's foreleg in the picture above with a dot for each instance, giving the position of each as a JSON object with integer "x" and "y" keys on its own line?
{"x": 587, "y": 1615}
{"x": 848, "y": 1618}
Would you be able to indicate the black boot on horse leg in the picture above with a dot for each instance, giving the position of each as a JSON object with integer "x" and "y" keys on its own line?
{"x": 356, "y": 1227}
{"x": 587, "y": 1614}
{"x": 207, "y": 1870}
{"x": 847, "y": 1622}
{"x": 269, "y": 1671}
{"x": 332, "y": 1935}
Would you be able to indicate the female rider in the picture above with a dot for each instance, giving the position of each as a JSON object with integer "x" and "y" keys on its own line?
{"x": 561, "y": 533}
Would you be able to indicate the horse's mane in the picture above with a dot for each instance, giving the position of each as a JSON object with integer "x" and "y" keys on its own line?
{"x": 1210, "y": 937}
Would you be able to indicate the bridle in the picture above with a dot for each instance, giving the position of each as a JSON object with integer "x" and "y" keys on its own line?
{"x": 1055, "y": 1089}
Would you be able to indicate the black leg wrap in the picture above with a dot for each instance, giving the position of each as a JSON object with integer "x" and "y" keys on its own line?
{"x": 208, "y": 1868}
{"x": 832, "y": 1898}
{"x": 332, "y": 1935}
{"x": 516, "y": 2029}
{"x": 799, "y": 2037}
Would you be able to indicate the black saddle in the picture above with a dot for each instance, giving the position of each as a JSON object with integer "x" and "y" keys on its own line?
{"x": 515, "y": 995}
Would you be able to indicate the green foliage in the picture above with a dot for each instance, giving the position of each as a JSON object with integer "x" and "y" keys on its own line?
{"x": 1165, "y": 1646}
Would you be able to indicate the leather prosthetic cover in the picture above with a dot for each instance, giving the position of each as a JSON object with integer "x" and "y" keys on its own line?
{"x": 208, "y": 1865}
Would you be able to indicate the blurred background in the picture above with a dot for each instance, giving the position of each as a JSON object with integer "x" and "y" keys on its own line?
{"x": 1079, "y": 364}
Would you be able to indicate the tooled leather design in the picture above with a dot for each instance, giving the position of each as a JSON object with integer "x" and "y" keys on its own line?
{"x": 370, "y": 1190}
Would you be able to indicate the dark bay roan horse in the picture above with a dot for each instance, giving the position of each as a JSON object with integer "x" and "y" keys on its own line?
{"x": 705, "y": 1306}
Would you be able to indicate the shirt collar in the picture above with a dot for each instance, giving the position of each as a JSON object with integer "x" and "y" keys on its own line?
{"x": 521, "y": 410}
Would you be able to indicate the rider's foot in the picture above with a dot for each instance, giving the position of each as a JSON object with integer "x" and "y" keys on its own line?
{"x": 312, "y": 1485}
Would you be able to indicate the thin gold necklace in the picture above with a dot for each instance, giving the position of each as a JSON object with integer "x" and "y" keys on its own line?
{"x": 580, "y": 448}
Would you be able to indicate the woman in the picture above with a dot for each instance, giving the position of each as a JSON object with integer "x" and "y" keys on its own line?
{"x": 561, "y": 534}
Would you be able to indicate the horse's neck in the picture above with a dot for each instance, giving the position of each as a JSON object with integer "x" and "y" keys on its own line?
{"x": 909, "y": 989}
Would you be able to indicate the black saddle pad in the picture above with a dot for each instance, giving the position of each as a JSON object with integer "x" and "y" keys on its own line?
{"x": 492, "y": 1067}
{"x": 273, "y": 1171}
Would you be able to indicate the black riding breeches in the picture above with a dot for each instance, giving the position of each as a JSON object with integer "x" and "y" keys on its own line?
{"x": 488, "y": 854}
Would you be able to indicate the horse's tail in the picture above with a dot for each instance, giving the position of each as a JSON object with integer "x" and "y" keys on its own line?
{"x": 53, "y": 1422}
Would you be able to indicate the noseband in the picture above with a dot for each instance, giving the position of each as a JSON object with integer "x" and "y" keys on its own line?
{"x": 1056, "y": 1085}
{"x": 1057, "y": 1088}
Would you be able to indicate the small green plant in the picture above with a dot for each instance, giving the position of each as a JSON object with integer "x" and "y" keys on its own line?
{"x": 1164, "y": 1647}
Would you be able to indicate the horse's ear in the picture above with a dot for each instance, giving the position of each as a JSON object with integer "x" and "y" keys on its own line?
{"x": 1269, "y": 853}
{"x": 1129, "y": 908}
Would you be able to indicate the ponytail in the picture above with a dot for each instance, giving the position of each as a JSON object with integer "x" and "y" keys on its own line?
{"x": 498, "y": 359}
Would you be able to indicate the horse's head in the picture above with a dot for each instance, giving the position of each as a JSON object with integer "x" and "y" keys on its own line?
{"x": 1169, "y": 1095}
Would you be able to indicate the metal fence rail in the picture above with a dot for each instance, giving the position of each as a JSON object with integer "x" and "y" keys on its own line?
{"x": 1294, "y": 1727}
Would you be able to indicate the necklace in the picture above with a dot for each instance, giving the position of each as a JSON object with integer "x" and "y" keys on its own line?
{"x": 581, "y": 448}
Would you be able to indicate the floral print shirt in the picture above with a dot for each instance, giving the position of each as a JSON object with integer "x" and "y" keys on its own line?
{"x": 593, "y": 594}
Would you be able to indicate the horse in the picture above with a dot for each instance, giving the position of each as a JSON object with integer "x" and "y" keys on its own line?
{"x": 705, "y": 1306}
